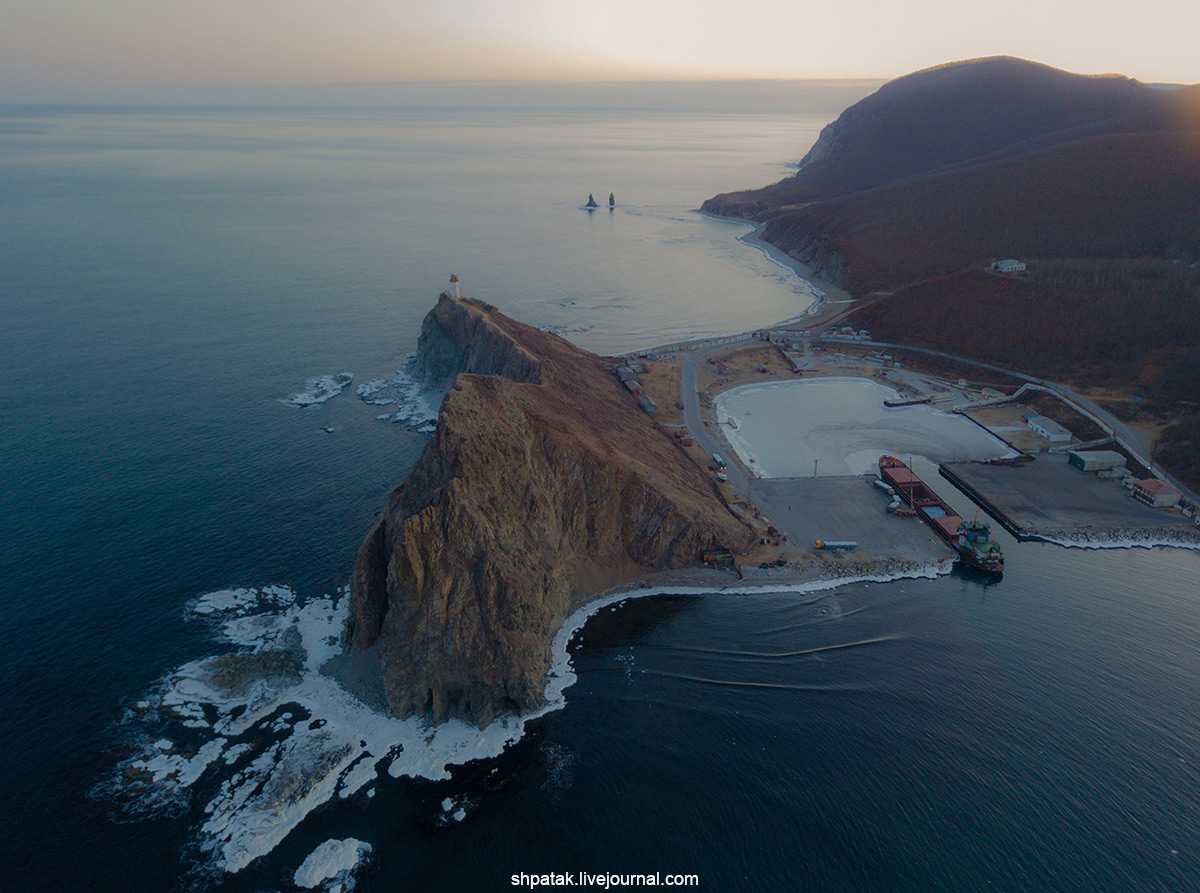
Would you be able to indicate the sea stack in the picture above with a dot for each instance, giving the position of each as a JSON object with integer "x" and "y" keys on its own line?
{"x": 544, "y": 484}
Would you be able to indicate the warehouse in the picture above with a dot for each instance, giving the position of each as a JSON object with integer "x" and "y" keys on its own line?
{"x": 1008, "y": 266}
{"x": 1049, "y": 429}
{"x": 1096, "y": 460}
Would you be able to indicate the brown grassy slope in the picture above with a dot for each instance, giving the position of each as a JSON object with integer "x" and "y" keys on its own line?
{"x": 584, "y": 403}
{"x": 1118, "y": 196}
{"x": 1104, "y": 322}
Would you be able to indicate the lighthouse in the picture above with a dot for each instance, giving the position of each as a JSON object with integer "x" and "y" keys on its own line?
{"x": 454, "y": 282}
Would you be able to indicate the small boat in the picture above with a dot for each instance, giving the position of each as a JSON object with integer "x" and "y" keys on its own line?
{"x": 591, "y": 203}
{"x": 612, "y": 202}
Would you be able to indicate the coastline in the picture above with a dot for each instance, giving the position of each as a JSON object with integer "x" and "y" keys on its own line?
{"x": 561, "y": 675}
{"x": 826, "y": 292}
{"x": 282, "y": 652}
{"x": 1121, "y": 538}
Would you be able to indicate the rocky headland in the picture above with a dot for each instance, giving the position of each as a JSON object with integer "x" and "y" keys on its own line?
{"x": 544, "y": 484}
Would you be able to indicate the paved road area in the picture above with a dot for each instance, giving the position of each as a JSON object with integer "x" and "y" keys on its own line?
{"x": 1049, "y": 495}
{"x": 845, "y": 508}
{"x": 693, "y": 419}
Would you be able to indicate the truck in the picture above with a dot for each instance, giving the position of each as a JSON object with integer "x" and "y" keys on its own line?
{"x": 719, "y": 462}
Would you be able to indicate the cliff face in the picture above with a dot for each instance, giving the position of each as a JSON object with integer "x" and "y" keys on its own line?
{"x": 454, "y": 341}
{"x": 543, "y": 482}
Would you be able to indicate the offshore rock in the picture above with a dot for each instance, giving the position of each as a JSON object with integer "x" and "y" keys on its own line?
{"x": 544, "y": 483}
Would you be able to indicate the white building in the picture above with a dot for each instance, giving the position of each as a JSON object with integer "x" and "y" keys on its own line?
{"x": 1049, "y": 429}
{"x": 1008, "y": 266}
{"x": 1155, "y": 494}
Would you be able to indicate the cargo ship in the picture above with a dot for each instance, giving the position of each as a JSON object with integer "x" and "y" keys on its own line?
{"x": 972, "y": 540}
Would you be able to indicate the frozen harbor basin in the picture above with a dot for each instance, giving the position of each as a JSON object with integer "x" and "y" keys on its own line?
{"x": 839, "y": 426}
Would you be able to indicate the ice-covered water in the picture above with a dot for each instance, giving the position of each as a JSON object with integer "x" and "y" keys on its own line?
{"x": 321, "y": 388}
{"x": 839, "y": 426}
{"x": 331, "y": 866}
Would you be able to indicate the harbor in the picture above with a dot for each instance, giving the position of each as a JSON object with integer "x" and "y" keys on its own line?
{"x": 800, "y": 427}
{"x": 1051, "y": 499}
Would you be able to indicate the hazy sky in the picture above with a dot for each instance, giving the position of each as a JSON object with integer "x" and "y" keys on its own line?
{"x": 91, "y": 49}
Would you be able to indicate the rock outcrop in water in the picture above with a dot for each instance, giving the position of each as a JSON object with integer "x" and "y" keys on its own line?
{"x": 544, "y": 483}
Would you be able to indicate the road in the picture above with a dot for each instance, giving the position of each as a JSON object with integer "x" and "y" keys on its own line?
{"x": 1138, "y": 443}
{"x": 695, "y": 421}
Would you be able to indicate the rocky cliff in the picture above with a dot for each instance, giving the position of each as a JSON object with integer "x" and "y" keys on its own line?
{"x": 543, "y": 483}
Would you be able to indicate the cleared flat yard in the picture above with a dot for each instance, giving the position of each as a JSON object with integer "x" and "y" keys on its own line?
{"x": 845, "y": 508}
{"x": 1049, "y": 495}
{"x": 1006, "y": 423}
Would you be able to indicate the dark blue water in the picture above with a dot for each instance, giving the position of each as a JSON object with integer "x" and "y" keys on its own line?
{"x": 166, "y": 277}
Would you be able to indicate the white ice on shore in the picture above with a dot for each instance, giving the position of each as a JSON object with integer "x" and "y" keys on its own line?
{"x": 840, "y": 426}
{"x": 369, "y": 388}
{"x": 285, "y": 739}
{"x": 318, "y": 390}
{"x": 1117, "y": 539}
{"x": 331, "y": 866}
{"x": 417, "y": 406}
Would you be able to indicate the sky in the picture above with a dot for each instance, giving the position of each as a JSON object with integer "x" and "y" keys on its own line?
{"x": 117, "y": 50}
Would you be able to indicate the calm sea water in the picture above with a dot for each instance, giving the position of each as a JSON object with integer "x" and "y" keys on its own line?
{"x": 167, "y": 276}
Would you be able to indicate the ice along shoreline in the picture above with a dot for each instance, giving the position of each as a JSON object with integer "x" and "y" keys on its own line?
{"x": 268, "y": 737}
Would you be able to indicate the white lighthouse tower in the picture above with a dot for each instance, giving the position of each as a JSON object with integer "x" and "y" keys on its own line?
{"x": 454, "y": 282}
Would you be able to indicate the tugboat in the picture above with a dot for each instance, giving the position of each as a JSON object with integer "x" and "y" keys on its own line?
{"x": 973, "y": 541}
{"x": 978, "y": 548}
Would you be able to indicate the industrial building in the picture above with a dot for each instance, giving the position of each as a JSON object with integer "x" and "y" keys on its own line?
{"x": 1155, "y": 494}
{"x": 1096, "y": 460}
{"x": 1049, "y": 429}
{"x": 1009, "y": 266}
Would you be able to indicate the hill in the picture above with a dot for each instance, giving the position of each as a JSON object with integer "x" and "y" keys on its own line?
{"x": 1093, "y": 181}
{"x": 544, "y": 483}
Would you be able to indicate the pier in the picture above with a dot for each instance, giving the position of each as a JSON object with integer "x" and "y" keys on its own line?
{"x": 1049, "y": 498}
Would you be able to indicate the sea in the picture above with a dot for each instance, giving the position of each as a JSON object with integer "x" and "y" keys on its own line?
{"x": 171, "y": 278}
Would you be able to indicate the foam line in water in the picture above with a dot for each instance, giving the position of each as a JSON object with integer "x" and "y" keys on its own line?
{"x": 783, "y": 654}
{"x": 777, "y": 686}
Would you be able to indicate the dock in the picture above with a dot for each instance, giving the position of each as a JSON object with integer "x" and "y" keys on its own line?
{"x": 1048, "y": 497}
{"x": 851, "y": 508}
